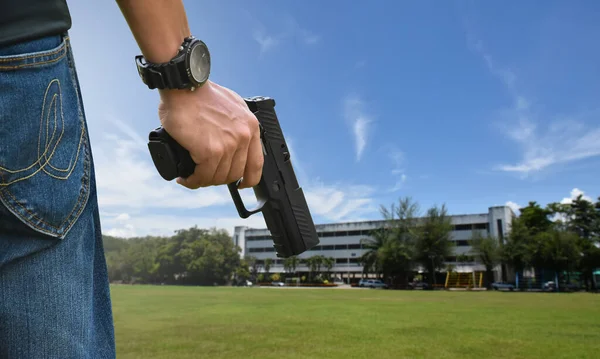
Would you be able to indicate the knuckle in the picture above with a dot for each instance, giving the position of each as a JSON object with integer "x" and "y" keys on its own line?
{"x": 252, "y": 181}
{"x": 218, "y": 151}
{"x": 252, "y": 121}
{"x": 256, "y": 165}
{"x": 245, "y": 134}
{"x": 235, "y": 175}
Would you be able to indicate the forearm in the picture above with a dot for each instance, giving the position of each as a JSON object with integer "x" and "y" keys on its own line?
{"x": 158, "y": 26}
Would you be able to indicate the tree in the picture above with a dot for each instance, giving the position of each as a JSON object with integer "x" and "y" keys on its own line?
{"x": 242, "y": 272}
{"x": 314, "y": 266}
{"x": 433, "y": 244}
{"x": 328, "y": 263}
{"x": 535, "y": 218}
{"x": 267, "y": 266}
{"x": 210, "y": 259}
{"x": 517, "y": 250}
{"x": 390, "y": 248}
{"x": 369, "y": 259}
{"x": 253, "y": 265}
{"x": 560, "y": 250}
{"x": 290, "y": 264}
{"x": 582, "y": 217}
{"x": 488, "y": 251}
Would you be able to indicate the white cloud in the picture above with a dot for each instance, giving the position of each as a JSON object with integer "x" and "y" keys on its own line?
{"x": 561, "y": 142}
{"x": 143, "y": 224}
{"x": 339, "y": 202}
{"x": 360, "y": 121}
{"x": 308, "y": 37}
{"x": 398, "y": 158}
{"x": 514, "y": 206}
{"x": 268, "y": 40}
{"x": 576, "y": 192}
{"x": 360, "y": 133}
{"x": 545, "y": 141}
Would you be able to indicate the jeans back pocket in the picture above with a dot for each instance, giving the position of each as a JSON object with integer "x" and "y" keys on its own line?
{"x": 45, "y": 156}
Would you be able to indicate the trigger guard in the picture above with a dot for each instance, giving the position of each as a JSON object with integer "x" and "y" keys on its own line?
{"x": 239, "y": 203}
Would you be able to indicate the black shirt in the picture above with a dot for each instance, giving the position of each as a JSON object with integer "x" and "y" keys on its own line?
{"x": 22, "y": 20}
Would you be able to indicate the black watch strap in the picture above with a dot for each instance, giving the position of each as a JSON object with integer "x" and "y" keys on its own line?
{"x": 169, "y": 75}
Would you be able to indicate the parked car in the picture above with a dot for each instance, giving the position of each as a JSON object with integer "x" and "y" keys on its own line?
{"x": 563, "y": 287}
{"x": 418, "y": 285}
{"x": 503, "y": 285}
{"x": 362, "y": 282}
{"x": 277, "y": 284}
{"x": 243, "y": 283}
{"x": 375, "y": 283}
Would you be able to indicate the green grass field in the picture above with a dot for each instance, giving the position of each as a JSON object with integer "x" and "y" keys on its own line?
{"x": 196, "y": 322}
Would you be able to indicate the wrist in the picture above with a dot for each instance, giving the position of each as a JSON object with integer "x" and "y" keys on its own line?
{"x": 163, "y": 51}
{"x": 176, "y": 96}
{"x": 159, "y": 27}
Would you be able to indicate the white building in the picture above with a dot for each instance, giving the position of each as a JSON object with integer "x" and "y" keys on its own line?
{"x": 342, "y": 241}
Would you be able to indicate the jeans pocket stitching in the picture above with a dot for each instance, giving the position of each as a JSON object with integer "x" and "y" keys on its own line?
{"x": 32, "y": 60}
{"x": 44, "y": 156}
{"x": 16, "y": 67}
{"x": 81, "y": 201}
{"x": 61, "y": 47}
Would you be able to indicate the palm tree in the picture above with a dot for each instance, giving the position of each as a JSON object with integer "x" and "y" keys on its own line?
{"x": 328, "y": 263}
{"x": 433, "y": 244}
{"x": 291, "y": 263}
{"x": 267, "y": 266}
{"x": 311, "y": 263}
{"x": 372, "y": 245}
{"x": 389, "y": 249}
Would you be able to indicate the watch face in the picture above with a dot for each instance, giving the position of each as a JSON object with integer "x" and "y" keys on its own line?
{"x": 199, "y": 63}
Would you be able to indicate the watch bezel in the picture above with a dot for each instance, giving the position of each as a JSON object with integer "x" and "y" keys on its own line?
{"x": 188, "y": 59}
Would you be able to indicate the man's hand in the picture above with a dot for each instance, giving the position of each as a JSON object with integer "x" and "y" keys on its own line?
{"x": 215, "y": 125}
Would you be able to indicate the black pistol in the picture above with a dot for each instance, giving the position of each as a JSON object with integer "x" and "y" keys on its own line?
{"x": 279, "y": 197}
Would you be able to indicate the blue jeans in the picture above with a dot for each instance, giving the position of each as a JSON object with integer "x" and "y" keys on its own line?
{"x": 54, "y": 291}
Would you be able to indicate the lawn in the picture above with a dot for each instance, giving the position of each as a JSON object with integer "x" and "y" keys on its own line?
{"x": 263, "y": 323}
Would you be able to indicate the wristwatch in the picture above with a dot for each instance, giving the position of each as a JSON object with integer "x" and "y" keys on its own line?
{"x": 189, "y": 69}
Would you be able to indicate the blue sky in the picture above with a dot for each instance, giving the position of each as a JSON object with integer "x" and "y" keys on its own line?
{"x": 470, "y": 104}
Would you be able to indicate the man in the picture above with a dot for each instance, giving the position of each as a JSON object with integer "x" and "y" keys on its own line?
{"x": 54, "y": 293}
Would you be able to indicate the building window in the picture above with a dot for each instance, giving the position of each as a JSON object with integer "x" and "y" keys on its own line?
{"x": 341, "y": 246}
{"x": 341, "y": 261}
{"x": 327, "y": 248}
{"x": 463, "y": 227}
{"x": 258, "y": 238}
{"x": 480, "y": 226}
{"x": 500, "y": 229}
{"x": 462, "y": 243}
{"x": 354, "y": 246}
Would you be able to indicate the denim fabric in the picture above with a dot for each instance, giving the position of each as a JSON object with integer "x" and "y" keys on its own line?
{"x": 54, "y": 293}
